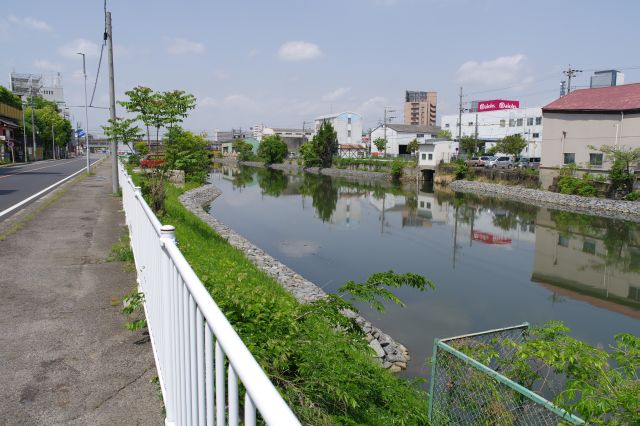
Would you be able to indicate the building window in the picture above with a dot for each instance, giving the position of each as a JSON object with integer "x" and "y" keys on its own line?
{"x": 424, "y": 156}
{"x": 348, "y": 133}
{"x": 446, "y": 126}
{"x": 634, "y": 293}
{"x": 530, "y": 121}
{"x": 430, "y": 156}
{"x": 538, "y": 121}
{"x": 349, "y": 120}
{"x": 421, "y": 204}
{"x": 512, "y": 122}
{"x": 595, "y": 159}
{"x": 520, "y": 121}
{"x": 563, "y": 240}
{"x": 428, "y": 205}
{"x": 569, "y": 158}
{"x": 536, "y": 135}
{"x": 503, "y": 123}
{"x": 420, "y": 135}
{"x": 471, "y": 123}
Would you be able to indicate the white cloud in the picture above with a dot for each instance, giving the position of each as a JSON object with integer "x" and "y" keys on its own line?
{"x": 253, "y": 53}
{"x": 499, "y": 71}
{"x": 372, "y": 107}
{"x": 208, "y": 102}
{"x": 236, "y": 101}
{"x": 80, "y": 45}
{"x": 221, "y": 75}
{"x": 46, "y": 65}
{"x": 181, "y": 46}
{"x": 336, "y": 94}
{"x": 33, "y": 23}
{"x": 299, "y": 51}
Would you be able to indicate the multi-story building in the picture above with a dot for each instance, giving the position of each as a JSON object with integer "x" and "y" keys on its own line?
{"x": 35, "y": 85}
{"x": 491, "y": 126}
{"x": 292, "y": 137}
{"x": 606, "y": 79}
{"x": 578, "y": 124}
{"x": 348, "y": 127}
{"x": 420, "y": 108}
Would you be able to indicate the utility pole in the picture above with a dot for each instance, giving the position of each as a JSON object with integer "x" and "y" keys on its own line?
{"x": 387, "y": 118}
{"x": 86, "y": 110}
{"x": 460, "y": 117}
{"x": 569, "y": 72}
{"x": 53, "y": 142}
{"x": 24, "y": 132}
{"x": 112, "y": 105}
{"x": 33, "y": 128}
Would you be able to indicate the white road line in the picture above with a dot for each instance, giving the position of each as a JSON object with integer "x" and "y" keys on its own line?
{"x": 23, "y": 202}
{"x": 33, "y": 170}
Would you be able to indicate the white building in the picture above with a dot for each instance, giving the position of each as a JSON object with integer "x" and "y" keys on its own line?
{"x": 432, "y": 151}
{"x": 491, "y": 126}
{"x": 399, "y": 135}
{"x": 348, "y": 127}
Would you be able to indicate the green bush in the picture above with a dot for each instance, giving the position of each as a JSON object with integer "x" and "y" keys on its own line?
{"x": 272, "y": 149}
{"x": 134, "y": 160}
{"x": 460, "y": 169}
{"x": 633, "y": 196}
{"x": 568, "y": 183}
{"x": 396, "y": 168}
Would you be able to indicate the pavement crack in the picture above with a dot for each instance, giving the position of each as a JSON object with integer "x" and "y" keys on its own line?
{"x": 123, "y": 387}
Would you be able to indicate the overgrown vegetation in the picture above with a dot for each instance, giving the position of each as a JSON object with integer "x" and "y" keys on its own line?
{"x": 318, "y": 359}
{"x": 272, "y": 149}
{"x": 599, "y": 386}
{"x": 319, "y": 151}
{"x": 187, "y": 152}
{"x": 568, "y": 183}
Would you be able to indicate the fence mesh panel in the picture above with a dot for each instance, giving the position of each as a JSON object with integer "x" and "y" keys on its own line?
{"x": 464, "y": 392}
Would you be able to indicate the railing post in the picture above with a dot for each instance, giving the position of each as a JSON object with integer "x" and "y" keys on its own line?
{"x": 168, "y": 235}
{"x": 137, "y": 190}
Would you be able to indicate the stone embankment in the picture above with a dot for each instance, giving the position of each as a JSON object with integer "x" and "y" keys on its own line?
{"x": 615, "y": 209}
{"x": 389, "y": 353}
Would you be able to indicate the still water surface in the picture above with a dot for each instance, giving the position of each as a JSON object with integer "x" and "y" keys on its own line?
{"x": 494, "y": 263}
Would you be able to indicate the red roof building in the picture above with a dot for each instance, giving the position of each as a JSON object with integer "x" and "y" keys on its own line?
{"x": 604, "y": 99}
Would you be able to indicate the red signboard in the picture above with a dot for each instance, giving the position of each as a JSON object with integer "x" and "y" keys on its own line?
{"x": 497, "y": 104}
{"x": 487, "y": 238}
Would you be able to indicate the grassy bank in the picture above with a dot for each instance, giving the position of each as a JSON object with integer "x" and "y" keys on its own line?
{"x": 327, "y": 376}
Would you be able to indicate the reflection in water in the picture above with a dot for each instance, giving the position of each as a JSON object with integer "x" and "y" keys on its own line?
{"x": 589, "y": 258}
{"x": 494, "y": 262}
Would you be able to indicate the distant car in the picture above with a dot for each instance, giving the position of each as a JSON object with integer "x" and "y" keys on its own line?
{"x": 501, "y": 162}
{"x": 151, "y": 161}
{"x": 474, "y": 162}
{"x": 528, "y": 162}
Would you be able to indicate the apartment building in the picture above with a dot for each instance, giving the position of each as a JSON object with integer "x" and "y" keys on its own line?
{"x": 420, "y": 108}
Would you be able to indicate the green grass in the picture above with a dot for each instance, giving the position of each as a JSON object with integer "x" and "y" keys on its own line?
{"x": 327, "y": 376}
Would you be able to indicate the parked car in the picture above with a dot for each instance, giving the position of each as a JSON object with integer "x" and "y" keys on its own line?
{"x": 478, "y": 161}
{"x": 151, "y": 161}
{"x": 502, "y": 162}
{"x": 534, "y": 162}
{"x": 528, "y": 162}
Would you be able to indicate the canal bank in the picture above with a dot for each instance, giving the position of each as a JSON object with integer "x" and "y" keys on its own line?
{"x": 389, "y": 353}
{"x": 615, "y": 209}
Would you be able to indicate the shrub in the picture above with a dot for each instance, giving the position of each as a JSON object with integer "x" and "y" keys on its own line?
{"x": 569, "y": 184}
{"x": 633, "y": 196}
{"x": 134, "y": 160}
{"x": 460, "y": 169}
{"x": 396, "y": 168}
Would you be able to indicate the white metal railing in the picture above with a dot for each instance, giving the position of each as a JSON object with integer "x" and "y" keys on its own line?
{"x": 190, "y": 336}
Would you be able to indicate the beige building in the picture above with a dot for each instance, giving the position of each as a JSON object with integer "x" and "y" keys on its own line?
{"x": 420, "y": 108}
{"x": 587, "y": 118}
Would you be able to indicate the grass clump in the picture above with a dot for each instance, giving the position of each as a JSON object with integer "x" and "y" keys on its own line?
{"x": 318, "y": 359}
{"x": 121, "y": 251}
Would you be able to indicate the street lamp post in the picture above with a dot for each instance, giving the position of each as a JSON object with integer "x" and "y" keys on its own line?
{"x": 86, "y": 109}
{"x": 24, "y": 131}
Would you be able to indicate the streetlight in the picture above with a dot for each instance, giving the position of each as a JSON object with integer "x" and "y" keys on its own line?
{"x": 24, "y": 131}
{"x": 86, "y": 109}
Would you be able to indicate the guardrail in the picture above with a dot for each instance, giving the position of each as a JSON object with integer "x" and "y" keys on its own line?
{"x": 190, "y": 336}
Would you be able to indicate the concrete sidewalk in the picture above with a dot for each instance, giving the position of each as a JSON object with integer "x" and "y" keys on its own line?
{"x": 65, "y": 357}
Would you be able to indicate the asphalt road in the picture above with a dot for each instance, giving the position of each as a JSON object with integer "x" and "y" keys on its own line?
{"x": 20, "y": 182}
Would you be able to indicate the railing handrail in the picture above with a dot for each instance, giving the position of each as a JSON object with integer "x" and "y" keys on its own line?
{"x": 263, "y": 394}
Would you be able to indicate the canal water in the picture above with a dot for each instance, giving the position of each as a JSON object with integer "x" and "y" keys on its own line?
{"x": 494, "y": 262}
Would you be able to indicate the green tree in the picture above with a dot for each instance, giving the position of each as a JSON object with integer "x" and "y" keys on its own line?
{"x": 8, "y": 98}
{"x": 123, "y": 130}
{"x": 188, "y": 152}
{"x": 175, "y": 107}
{"x": 380, "y": 144}
{"x": 469, "y": 145}
{"x": 140, "y": 102}
{"x": 272, "y": 149}
{"x": 620, "y": 174}
{"x": 444, "y": 134}
{"x": 272, "y": 182}
{"x": 141, "y": 147}
{"x": 323, "y": 192}
{"x": 320, "y": 150}
{"x": 244, "y": 150}
{"x": 512, "y": 144}
{"x": 412, "y": 146}
{"x": 48, "y": 123}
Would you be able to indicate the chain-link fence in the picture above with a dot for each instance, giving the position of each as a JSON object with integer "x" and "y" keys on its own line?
{"x": 467, "y": 387}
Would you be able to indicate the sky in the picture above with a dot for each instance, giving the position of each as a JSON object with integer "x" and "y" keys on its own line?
{"x": 280, "y": 63}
